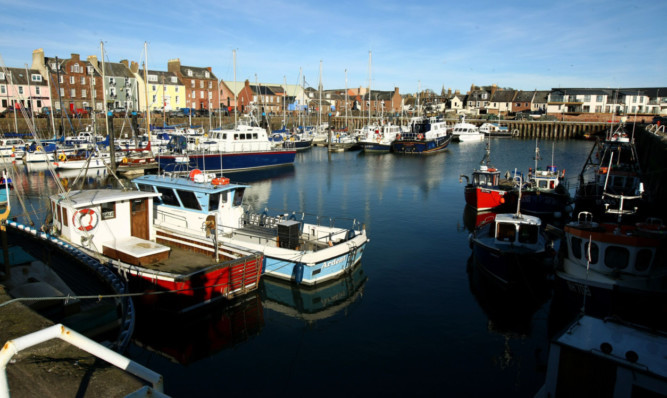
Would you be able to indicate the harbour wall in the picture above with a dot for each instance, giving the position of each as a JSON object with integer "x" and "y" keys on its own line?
{"x": 121, "y": 126}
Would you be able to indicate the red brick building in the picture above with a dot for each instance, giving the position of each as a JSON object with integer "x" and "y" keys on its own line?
{"x": 202, "y": 89}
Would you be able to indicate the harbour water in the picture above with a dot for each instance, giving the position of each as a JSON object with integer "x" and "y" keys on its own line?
{"x": 413, "y": 318}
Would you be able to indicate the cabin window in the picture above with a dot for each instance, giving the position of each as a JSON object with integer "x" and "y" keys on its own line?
{"x": 506, "y": 232}
{"x": 189, "y": 200}
{"x": 168, "y": 196}
{"x": 238, "y": 197}
{"x": 616, "y": 257}
{"x": 643, "y": 259}
{"x": 593, "y": 251}
{"x": 528, "y": 233}
{"x": 576, "y": 247}
{"x": 213, "y": 201}
{"x": 223, "y": 195}
{"x": 542, "y": 183}
{"x": 65, "y": 217}
{"x": 108, "y": 210}
{"x": 254, "y": 135}
{"x": 145, "y": 188}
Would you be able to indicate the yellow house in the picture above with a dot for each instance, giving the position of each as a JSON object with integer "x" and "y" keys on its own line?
{"x": 163, "y": 91}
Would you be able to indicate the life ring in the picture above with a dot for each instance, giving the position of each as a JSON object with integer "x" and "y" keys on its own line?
{"x": 420, "y": 136}
{"x": 39, "y": 148}
{"x": 62, "y": 157}
{"x": 398, "y": 136}
{"x": 125, "y": 160}
{"x": 77, "y": 219}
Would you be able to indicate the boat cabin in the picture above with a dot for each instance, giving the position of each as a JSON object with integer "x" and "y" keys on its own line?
{"x": 614, "y": 248}
{"x": 194, "y": 204}
{"x": 486, "y": 177}
{"x": 112, "y": 222}
{"x": 516, "y": 230}
{"x": 606, "y": 358}
{"x": 544, "y": 179}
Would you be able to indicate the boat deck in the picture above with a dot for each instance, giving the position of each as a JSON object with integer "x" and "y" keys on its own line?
{"x": 182, "y": 261}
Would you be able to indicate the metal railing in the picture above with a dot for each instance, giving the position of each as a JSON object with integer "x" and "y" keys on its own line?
{"x": 12, "y": 347}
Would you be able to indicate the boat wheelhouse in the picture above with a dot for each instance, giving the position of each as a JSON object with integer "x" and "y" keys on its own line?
{"x": 465, "y": 132}
{"x": 486, "y": 190}
{"x": 513, "y": 249}
{"x": 606, "y": 358}
{"x": 294, "y": 249}
{"x": 117, "y": 227}
{"x": 614, "y": 269}
{"x": 425, "y": 135}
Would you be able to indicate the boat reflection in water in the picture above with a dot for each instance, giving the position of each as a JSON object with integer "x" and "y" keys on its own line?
{"x": 313, "y": 303}
{"x": 510, "y": 313}
{"x": 472, "y": 218}
{"x": 198, "y": 334}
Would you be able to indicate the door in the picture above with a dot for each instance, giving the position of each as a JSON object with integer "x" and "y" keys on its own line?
{"x": 139, "y": 218}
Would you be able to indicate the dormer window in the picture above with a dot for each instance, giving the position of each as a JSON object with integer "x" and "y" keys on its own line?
{"x": 36, "y": 77}
{"x": 485, "y": 96}
{"x": 90, "y": 70}
{"x": 174, "y": 79}
{"x": 189, "y": 72}
{"x": 152, "y": 78}
{"x": 207, "y": 74}
{"x": 2, "y": 75}
{"x": 53, "y": 66}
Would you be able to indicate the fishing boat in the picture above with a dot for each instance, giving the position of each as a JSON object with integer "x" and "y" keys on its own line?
{"x": 614, "y": 268}
{"x": 380, "y": 138}
{"x": 118, "y": 227}
{"x": 612, "y": 168}
{"x": 426, "y": 135}
{"x": 546, "y": 193}
{"x": 514, "y": 249}
{"x": 486, "y": 190}
{"x": 596, "y": 357}
{"x": 466, "y": 132}
{"x": 294, "y": 248}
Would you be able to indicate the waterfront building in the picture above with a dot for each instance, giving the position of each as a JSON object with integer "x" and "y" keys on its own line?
{"x": 24, "y": 86}
{"x": 161, "y": 91}
{"x": 201, "y": 85}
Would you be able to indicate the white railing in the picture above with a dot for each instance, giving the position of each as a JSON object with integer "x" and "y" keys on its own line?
{"x": 12, "y": 347}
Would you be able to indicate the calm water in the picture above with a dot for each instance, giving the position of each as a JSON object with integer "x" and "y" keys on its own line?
{"x": 413, "y": 319}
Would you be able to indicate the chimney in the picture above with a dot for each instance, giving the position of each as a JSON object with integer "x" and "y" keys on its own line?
{"x": 134, "y": 67}
{"x": 92, "y": 59}
{"x": 124, "y": 62}
{"x": 75, "y": 57}
{"x": 209, "y": 69}
{"x": 38, "y": 60}
{"x": 174, "y": 66}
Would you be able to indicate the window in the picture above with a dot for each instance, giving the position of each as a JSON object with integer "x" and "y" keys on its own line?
{"x": 616, "y": 257}
{"x": 192, "y": 83}
{"x": 190, "y": 74}
{"x": 65, "y": 218}
{"x": 3, "y": 89}
{"x": 2, "y": 76}
{"x": 238, "y": 197}
{"x": 189, "y": 200}
{"x": 587, "y": 98}
{"x": 643, "y": 259}
{"x": 201, "y": 84}
{"x": 213, "y": 201}
{"x": 154, "y": 87}
{"x": 177, "y": 99}
{"x": 576, "y": 247}
{"x": 61, "y": 80}
{"x": 154, "y": 98}
{"x": 168, "y": 196}
{"x": 598, "y": 98}
{"x": 90, "y": 70}
{"x": 112, "y": 80}
{"x": 145, "y": 188}
{"x": 176, "y": 89}
{"x": 71, "y": 80}
{"x": 83, "y": 93}
{"x": 201, "y": 94}
{"x": 36, "y": 78}
{"x": 207, "y": 74}
{"x": 506, "y": 232}
{"x": 62, "y": 92}
{"x": 174, "y": 79}
{"x": 210, "y": 84}
{"x": 20, "y": 89}
{"x": 73, "y": 93}
{"x": 108, "y": 210}
{"x": 528, "y": 233}
{"x": 83, "y": 80}
{"x": 152, "y": 78}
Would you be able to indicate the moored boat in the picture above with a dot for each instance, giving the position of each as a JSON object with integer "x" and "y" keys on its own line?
{"x": 294, "y": 249}
{"x": 486, "y": 190}
{"x": 118, "y": 227}
{"x": 466, "y": 132}
{"x": 426, "y": 135}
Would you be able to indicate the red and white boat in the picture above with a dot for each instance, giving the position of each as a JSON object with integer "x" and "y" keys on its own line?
{"x": 485, "y": 190}
{"x": 117, "y": 227}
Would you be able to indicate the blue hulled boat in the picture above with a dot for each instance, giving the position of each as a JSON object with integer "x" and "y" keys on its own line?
{"x": 426, "y": 135}
{"x": 294, "y": 248}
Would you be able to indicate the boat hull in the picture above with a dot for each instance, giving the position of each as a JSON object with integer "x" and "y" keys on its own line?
{"x": 375, "y": 147}
{"x": 419, "y": 147}
{"x": 511, "y": 269}
{"x": 229, "y": 161}
{"x": 485, "y": 198}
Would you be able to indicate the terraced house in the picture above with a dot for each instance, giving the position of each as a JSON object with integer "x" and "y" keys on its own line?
{"x": 201, "y": 86}
{"x": 24, "y": 86}
{"x": 163, "y": 91}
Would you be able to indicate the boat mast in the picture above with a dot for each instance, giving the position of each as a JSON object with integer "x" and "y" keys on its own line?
{"x": 112, "y": 149}
{"x": 148, "y": 111}
{"x": 285, "y": 103}
{"x": 345, "y": 98}
{"x": 319, "y": 115}
{"x": 235, "y": 95}
{"x": 370, "y": 79}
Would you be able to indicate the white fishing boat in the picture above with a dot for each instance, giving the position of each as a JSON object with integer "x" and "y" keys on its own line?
{"x": 294, "y": 248}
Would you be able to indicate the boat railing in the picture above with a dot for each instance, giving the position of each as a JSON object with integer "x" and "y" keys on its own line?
{"x": 319, "y": 220}
{"x": 172, "y": 218}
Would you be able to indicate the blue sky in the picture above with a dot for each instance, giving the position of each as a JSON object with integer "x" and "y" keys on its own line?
{"x": 429, "y": 44}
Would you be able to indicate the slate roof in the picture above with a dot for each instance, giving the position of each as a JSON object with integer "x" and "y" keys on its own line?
{"x": 503, "y": 96}
{"x": 581, "y": 91}
{"x": 197, "y": 73}
{"x": 524, "y": 96}
{"x": 541, "y": 96}
{"x": 18, "y": 77}
{"x": 160, "y": 76}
